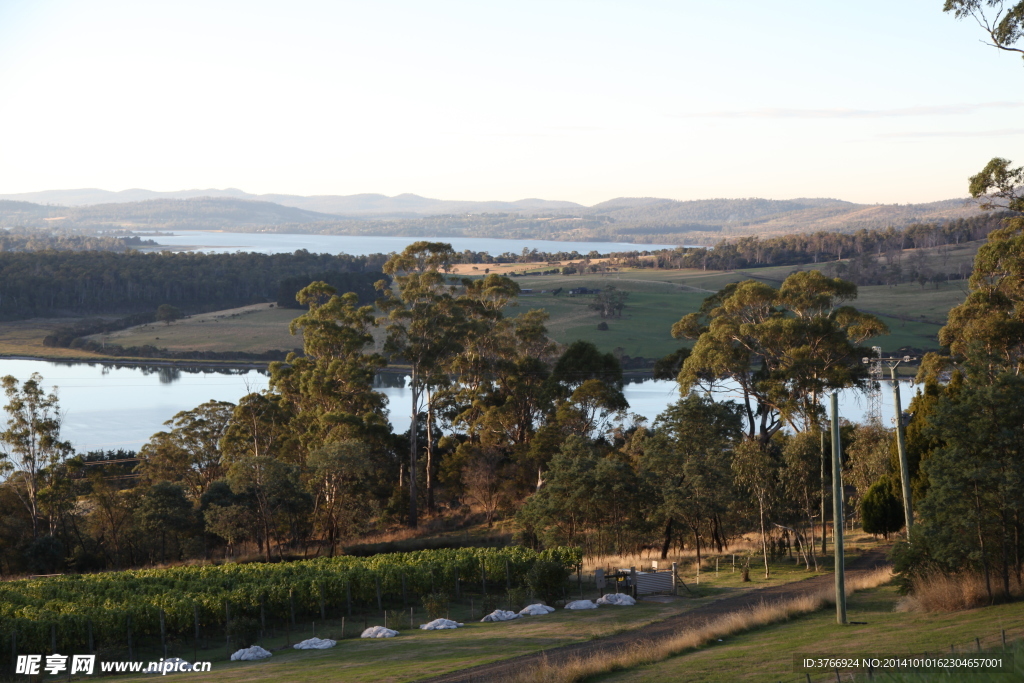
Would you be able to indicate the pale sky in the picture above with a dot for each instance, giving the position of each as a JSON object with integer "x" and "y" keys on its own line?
{"x": 875, "y": 101}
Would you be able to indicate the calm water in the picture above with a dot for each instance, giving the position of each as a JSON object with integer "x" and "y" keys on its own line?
{"x": 274, "y": 243}
{"x": 109, "y": 407}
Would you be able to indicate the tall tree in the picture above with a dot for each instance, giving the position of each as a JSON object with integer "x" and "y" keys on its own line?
{"x": 426, "y": 325}
{"x": 31, "y": 442}
{"x": 190, "y": 452}
{"x": 328, "y": 390}
{"x": 784, "y": 348}
{"x": 688, "y": 462}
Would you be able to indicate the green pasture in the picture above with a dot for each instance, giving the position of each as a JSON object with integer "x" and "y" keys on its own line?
{"x": 766, "y": 654}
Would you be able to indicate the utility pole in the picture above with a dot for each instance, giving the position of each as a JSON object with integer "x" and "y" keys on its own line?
{"x": 837, "y": 513}
{"x": 824, "y": 517}
{"x": 901, "y": 443}
{"x": 908, "y": 504}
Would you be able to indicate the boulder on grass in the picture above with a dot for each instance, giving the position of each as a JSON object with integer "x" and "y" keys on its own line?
{"x": 581, "y": 604}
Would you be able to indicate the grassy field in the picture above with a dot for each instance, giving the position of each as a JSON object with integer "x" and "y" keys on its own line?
{"x": 766, "y": 654}
{"x": 25, "y": 338}
{"x": 657, "y": 299}
{"x": 252, "y": 329}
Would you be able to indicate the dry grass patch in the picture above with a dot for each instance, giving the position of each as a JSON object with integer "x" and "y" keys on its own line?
{"x": 937, "y": 592}
{"x": 691, "y": 639}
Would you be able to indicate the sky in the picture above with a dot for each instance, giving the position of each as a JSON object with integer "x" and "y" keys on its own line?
{"x": 874, "y": 102}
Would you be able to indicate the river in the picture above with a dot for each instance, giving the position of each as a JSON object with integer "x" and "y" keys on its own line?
{"x": 358, "y": 245}
{"x": 111, "y": 406}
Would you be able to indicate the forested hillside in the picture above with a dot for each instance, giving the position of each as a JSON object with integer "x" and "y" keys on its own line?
{"x": 50, "y": 283}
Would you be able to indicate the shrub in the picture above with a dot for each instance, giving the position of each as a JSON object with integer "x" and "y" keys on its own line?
{"x": 881, "y": 511}
{"x": 603, "y": 326}
{"x": 547, "y": 580}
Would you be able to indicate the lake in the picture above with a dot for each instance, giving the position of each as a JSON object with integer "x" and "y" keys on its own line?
{"x": 110, "y": 406}
{"x": 358, "y": 245}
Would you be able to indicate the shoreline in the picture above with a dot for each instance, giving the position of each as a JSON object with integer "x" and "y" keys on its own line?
{"x": 230, "y": 365}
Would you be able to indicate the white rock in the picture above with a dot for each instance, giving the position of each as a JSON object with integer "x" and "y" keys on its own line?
{"x": 616, "y": 599}
{"x": 250, "y": 654}
{"x": 315, "y": 644}
{"x": 440, "y": 625}
{"x": 581, "y": 604}
{"x": 501, "y": 615}
{"x": 378, "y": 632}
{"x": 536, "y": 610}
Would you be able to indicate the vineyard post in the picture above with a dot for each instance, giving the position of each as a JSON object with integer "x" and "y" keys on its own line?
{"x": 53, "y": 639}
{"x": 130, "y": 637}
{"x": 405, "y": 601}
{"x": 195, "y": 642}
{"x": 376, "y": 578}
{"x": 431, "y": 578}
{"x": 227, "y": 628}
{"x": 263, "y": 614}
{"x": 508, "y": 577}
{"x": 483, "y": 576}
{"x": 14, "y": 651}
{"x": 89, "y": 630}
{"x": 291, "y": 605}
{"x": 163, "y": 634}
{"x": 348, "y": 596}
{"x": 323, "y": 614}
{"x": 456, "y": 583}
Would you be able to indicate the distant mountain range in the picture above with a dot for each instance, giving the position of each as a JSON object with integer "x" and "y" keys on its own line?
{"x": 641, "y": 220}
{"x": 345, "y": 205}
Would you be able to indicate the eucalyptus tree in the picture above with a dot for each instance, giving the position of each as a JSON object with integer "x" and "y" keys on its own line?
{"x": 426, "y": 326}
{"x": 783, "y": 347}
{"x": 688, "y": 465}
{"x": 31, "y": 442}
{"x": 329, "y": 388}
{"x": 189, "y": 454}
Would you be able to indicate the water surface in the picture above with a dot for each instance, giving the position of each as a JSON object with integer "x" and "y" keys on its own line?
{"x": 110, "y": 406}
{"x": 277, "y": 243}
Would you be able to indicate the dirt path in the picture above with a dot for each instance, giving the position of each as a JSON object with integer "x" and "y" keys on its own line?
{"x": 662, "y": 629}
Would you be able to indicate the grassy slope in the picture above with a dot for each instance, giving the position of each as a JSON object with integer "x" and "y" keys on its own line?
{"x": 252, "y": 329}
{"x": 25, "y": 338}
{"x": 766, "y": 654}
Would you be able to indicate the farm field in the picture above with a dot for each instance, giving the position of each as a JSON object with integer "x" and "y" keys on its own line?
{"x": 25, "y": 338}
{"x": 417, "y": 654}
{"x": 765, "y": 655}
{"x": 251, "y": 329}
{"x": 657, "y": 299}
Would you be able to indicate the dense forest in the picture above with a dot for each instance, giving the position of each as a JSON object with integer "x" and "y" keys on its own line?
{"x": 47, "y": 283}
